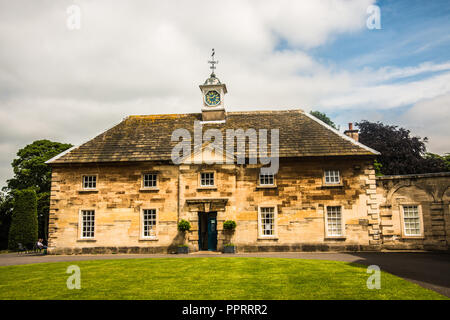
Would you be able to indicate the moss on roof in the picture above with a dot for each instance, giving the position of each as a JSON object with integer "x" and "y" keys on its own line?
{"x": 148, "y": 137}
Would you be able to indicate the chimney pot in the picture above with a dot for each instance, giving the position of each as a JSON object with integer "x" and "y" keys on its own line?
{"x": 352, "y": 133}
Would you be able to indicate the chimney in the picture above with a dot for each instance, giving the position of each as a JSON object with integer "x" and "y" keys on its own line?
{"x": 351, "y": 132}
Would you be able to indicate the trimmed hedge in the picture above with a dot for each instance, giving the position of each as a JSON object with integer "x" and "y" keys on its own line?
{"x": 24, "y": 224}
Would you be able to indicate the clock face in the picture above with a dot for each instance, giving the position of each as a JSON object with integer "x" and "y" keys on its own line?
{"x": 212, "y": 98}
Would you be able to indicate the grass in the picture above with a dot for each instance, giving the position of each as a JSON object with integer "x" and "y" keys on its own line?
{"x": 204, "y": 278}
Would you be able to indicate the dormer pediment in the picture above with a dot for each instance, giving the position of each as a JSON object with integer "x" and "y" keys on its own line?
{"x": 209, "y": 153}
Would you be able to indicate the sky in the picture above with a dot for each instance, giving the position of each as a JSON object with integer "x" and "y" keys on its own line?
{"x": 68, "y": 77}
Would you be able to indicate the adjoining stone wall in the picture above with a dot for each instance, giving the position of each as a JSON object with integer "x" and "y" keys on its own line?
{"x": 431, "y": 192}
{"x": 300, "y": 197}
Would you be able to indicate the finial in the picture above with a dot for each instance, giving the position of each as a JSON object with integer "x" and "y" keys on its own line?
{"x": 213, "y": 63}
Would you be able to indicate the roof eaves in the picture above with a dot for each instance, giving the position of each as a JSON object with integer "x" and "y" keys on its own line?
{"x": 60, "y": 155}
{"x": 77, "y": 146}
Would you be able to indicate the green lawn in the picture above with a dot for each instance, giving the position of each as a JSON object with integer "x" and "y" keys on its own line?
{"x": 204, "y": 278}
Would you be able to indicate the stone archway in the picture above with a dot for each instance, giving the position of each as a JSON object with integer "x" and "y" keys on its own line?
{"x": 404, "y": 184}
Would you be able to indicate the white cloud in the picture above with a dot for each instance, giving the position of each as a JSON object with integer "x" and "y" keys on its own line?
{"x": 431, "y": 118}
{"x": 390, "y": 73}
{"x": 386, "y": 96}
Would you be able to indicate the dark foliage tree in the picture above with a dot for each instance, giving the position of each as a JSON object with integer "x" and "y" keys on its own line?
{"x": 24, "y": 224}
{"x": 400, "y": 152}
{"x": 322, "y": 116}
{"x": 43, "y": 209}
{"x": 31, "y": 172}
{"x": 6, "y": 207}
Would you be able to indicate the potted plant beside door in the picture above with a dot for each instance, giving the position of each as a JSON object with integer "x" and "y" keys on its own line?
{"x": 183, "y": 226}
{"x": 229, "y": 226}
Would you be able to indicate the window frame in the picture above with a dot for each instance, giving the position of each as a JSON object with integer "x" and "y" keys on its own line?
{"x": 81, "y": 225}
{"x": 402, "y": 220}
{"x": 275, "y": 222}
{"x": 273, "y": 185}
{"x": 156, "y": 187}
{"x": 330, "y": 236}
{"x": 201, "y": 186}
{"x": 89, "y": 175}
{"x": 141, "y": 231}
{"x": 339, "y": 183}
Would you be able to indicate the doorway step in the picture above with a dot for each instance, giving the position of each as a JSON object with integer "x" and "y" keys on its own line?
{"x": 206, "y": 252}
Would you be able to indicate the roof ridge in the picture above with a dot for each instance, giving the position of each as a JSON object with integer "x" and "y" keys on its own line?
{"x": 267, "y": 111}
{"x": 158, "y": 116}
{"x": 178, "y": 115}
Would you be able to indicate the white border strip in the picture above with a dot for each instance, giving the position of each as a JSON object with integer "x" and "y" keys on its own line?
{"x": 342, "y": 135}
{"x": 212, "y": 121}
{"x": 86, "y": 141}
{"x": 61, "y": 154}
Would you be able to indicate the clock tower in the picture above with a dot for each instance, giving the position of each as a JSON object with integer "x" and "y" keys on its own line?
{"x": 213, "y": 91}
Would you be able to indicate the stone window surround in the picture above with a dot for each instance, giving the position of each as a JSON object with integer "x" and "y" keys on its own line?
{"x": 325, "y": 217}
{"x": 80, "y": 225}
{"x": 157, "y": 180}
{"x": 266, "y": 186}
{"x": 402, "y": 220}
{"x": 328, "y": 184}
{"x": 200, "y": 186}
{"x": 89, "y": 189}
{"x": 141, "y": 225}
{"x": 275, "y": 222}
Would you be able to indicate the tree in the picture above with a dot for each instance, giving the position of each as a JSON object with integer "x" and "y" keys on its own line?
{"x": 377, "y": 166}
{"x": 445, "y": 158}
{"x": 323, "y": 117}
{"x": 24, "y": 224}
{"x": 31, "y": 172}
{"x": 400, "y": 152}
{"x": 43, "y": 209}
{"x": 6, "y": 208}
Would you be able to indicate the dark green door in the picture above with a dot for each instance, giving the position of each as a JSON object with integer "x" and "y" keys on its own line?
{"x": 212, "y": 232}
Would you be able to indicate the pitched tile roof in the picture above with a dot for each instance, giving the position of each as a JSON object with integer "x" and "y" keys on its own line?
{"x": 146, "y": 138}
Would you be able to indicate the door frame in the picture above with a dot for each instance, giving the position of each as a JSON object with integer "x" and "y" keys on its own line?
{"x": 206, "y": 216}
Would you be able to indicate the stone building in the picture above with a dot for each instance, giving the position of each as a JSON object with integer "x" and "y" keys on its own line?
{"x": 123, "y": 191}
{"x": 415, "y": 211}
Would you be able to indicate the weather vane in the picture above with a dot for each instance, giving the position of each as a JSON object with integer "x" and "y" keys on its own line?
{"x": 213, "y": 62}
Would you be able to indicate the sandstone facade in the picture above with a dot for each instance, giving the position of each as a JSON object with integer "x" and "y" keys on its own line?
{"x": 300, "y": 198}
{"x": 371, "y": 208}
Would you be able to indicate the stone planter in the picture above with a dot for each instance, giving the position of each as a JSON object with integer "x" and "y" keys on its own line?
{"x": 229, "y": 249}
{"x": 182, "y": 249}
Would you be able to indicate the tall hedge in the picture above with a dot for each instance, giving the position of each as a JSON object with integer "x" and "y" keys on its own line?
{"x": 24, "y": 224}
